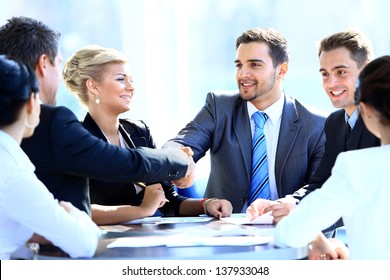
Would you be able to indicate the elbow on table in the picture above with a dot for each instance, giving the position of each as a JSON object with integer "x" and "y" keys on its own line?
{"x": 87, "y": 248}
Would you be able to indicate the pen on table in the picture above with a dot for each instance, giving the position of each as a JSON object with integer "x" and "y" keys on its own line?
{"x": 143, "y": 186}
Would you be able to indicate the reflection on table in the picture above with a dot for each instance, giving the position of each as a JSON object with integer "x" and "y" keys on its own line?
{"x": 186, "y": 238}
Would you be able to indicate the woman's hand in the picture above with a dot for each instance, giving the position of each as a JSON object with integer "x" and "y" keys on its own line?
{"x": 327, "y": 249}
{"x": 154, "y": 198}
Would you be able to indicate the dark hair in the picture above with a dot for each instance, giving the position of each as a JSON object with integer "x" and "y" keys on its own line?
{"x": 26, "y": 39}
{"x": 373, "y": 87}
{"x": 276, "y": 42}
{"x": 358, "y": 45}
{"x": 17, "y": 83}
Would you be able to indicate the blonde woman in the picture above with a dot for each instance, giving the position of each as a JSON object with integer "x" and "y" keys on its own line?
{"x": 101, "y": 79}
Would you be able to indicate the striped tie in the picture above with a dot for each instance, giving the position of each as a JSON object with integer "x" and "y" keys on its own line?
{"x": 259, "y": 181}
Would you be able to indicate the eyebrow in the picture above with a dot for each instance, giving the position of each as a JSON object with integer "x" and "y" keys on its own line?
{"x": 251, "y": 60}
{"x": 336, "y": 67}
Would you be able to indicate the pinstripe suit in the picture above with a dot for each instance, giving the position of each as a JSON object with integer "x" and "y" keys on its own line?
{"x": 223, "y": 127}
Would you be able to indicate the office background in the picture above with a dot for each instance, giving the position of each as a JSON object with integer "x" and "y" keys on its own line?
{"x": 181, "y": 49}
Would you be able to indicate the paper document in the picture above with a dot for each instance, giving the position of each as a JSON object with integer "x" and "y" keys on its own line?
{"x": 220, "y": 241}
{"x": 146, "y": 241}
{"x": 183, "y": 240}
{"x": 170, "y": 220}
{"x": 242, "y": 219}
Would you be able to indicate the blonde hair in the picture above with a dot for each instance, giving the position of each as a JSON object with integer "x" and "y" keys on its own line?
{"x": 88, "y": 63}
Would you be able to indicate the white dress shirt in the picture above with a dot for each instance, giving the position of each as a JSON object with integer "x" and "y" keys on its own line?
{"x": 271, "y": 133}
{"x": 27, "y": 207}
{"x": 358, "y": 191}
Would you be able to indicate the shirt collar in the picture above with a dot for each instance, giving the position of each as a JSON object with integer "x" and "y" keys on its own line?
{"x": 353, "y": 118}
{"x": 274, "y": 111}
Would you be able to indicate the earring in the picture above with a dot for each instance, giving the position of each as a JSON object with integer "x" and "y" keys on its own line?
{"x": 97, "y": 100}
{"x": 34, "y": 124}
{"x": 27, "y": 124}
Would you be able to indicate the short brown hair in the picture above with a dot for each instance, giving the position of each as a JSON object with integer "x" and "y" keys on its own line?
{"x": 358, "y": 45}
{"x": 276, "y": 42}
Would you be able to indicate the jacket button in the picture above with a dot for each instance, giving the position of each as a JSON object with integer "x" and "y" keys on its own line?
{"x": 173, "y": 173}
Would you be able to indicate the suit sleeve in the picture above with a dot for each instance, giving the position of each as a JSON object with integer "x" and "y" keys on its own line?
{"x": 173, "y": 206}
{"x": 198, "y": 133}
{"x": 321, "y": 174}
{"x": 77, "y": 152}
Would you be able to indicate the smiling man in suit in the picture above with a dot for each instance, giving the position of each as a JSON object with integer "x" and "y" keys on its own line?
{"x": 342, "y": 56}
{"x": 64, "y": 153}
{"x": 225, "y": 126}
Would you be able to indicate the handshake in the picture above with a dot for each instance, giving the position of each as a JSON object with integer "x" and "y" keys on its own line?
{"x": 188, "y": 180}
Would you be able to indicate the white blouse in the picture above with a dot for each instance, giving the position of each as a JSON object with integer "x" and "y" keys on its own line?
{"x": 27, "y": 207}
{"x": 359, "y": 192}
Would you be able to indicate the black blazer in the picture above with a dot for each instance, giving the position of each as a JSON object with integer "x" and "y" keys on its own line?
{"x": 136, "y": 134}
{"x": 335, "y": 127}
{"x": 65, "y": 154}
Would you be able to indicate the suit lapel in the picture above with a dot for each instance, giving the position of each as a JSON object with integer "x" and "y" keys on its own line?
{"x": 126, "y": 137}
{"x": 91, "y": 125}
{"x": 288, "y": 132}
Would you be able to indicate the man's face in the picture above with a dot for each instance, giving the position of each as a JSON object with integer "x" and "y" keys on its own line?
{"x": 339, "y": 75}
{"x": 52, "y": 80}
{"x": 255, "y": 73}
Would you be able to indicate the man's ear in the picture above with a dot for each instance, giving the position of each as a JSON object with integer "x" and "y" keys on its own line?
{"x": 283, "y": 68}
{"x": 41, "y": 67}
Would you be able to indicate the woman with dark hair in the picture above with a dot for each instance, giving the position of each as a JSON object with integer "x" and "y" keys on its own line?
{"x": 27, "y": 208}
{"x": 358, "y": 190}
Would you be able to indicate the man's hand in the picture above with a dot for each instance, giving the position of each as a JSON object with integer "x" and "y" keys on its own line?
{"x": 188, "y": 151}
{"x": 191, "y": 164}
{"x": 184, "y": 182}
{"x": 219, "y": 208}
{"x": 257, "y": 208}
{"x": 279, "y": 210}
{"x": 261, "y": 206}
{"x": 188, "y": 180}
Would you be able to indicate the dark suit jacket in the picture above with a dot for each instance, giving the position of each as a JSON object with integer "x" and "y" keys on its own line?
{"x": 223, "y": 127}
{"x": 65, "y": 154}
{"x": 335, "y": 127}
{"x": 136, "y": 134}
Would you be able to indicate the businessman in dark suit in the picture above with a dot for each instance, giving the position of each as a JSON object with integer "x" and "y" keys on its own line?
{"x": 342, "y": 56}
{"x": 224, "y": 126}
{"x": 64, "y": 153}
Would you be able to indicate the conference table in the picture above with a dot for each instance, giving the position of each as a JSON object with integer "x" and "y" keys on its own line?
{"x": 186, "y": 238}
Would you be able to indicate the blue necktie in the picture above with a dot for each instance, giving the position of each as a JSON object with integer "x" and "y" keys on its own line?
{"x": 259, "y": 181}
